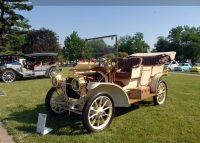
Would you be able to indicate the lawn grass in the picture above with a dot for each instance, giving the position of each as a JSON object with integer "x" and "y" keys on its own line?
{"x": 175, "y": 121}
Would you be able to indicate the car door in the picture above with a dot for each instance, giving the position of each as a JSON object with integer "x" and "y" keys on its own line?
{"x": 186, "y": 67}
{"x": 173, "y": 64}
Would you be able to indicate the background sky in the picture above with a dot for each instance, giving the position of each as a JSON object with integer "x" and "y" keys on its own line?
{"x": 94, "y": 21}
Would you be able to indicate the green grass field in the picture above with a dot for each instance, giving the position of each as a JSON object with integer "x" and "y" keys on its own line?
{"x": 177, "y": 120}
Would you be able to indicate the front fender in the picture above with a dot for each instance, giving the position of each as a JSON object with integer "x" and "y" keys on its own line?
{"x": 48, "y": 69}
{"x": 15, "y": 71}
{"x": 119, "y": 95}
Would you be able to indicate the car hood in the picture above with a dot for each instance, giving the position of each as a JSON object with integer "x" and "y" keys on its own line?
{"x": 196, "y": 67}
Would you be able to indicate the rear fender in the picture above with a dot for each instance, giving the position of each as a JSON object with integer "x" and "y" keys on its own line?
{"x": 154, "y": 82}
{"x": 119, "y": 95}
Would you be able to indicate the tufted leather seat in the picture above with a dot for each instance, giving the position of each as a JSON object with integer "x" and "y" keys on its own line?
{"x": 120, "y": 62}
{"x": 132, "y": 62}
{"x": 126, "y": 68}
{"x": 153, "y": 60}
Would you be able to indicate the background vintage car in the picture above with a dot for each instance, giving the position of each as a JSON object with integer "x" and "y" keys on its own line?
{"x": 171, "y": 65}
{"x": 195, "y": 68}
{"x": 32, "y": 65}
{"x": 183, "y": 67}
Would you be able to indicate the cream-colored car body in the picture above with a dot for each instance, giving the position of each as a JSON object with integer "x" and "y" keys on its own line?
{"x": 141, "y": 77}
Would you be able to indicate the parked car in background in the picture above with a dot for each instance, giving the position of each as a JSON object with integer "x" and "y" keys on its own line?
{"x": 195, "y": 68}
{"x": 31, "y": 65}
{"x": 183, "y": 67}
{"x": 171, "y": 65}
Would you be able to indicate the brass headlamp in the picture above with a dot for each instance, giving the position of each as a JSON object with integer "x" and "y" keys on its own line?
{"x": 56, "y": 80}
{"x": 79, "y": 84}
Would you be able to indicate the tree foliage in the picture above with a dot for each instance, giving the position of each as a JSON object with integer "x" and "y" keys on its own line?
{"x": 122, "y": 54}
{"x": 109, "y": 56}
{"x": 133, "y": 44}
{"x": 43, "y": 40}
{"x": 162, "y": 44}
{"x": 73, "y": 47}
{"x": 13, "y": 26}
{"x": 184, "y": 40}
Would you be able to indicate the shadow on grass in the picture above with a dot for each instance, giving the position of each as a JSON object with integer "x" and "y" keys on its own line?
{"x": 61, "y": 125}
{"x": 123, "y": 110}
{"x": 31, "y": 78}
{"x": 27, "y": 78}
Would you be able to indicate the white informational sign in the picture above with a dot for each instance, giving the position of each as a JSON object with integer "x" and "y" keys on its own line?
{"x": 41, "y": 124}
{"x": 2, "y": 93}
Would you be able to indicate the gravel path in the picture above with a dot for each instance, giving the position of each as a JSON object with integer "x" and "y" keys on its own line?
{"x": 4, "y": 137}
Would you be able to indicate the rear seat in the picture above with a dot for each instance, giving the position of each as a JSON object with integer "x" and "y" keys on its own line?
{"x": 154, "y": 60}
{"x": 126, "y": 66}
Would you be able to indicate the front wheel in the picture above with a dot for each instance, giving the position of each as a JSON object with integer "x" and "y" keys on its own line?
{"x": 55, "y": 102}
{"x": 161, "y": 93}
{"x": 8, "y": 76}
{"x": 52, "y": 72}
{"x": 98, "y": 112}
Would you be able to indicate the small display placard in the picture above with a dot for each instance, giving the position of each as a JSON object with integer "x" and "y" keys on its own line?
{"x": 2, "y": 93}
{"x": 41, "y": 124}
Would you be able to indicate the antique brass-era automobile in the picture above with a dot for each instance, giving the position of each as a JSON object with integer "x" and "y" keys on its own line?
{"x": 96, "y": 88}
{"x": 31, "y": 65}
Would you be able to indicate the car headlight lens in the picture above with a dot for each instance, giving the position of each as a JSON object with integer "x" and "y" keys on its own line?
{"x": 56, "y": 81}
{"x": 78, "y": 83}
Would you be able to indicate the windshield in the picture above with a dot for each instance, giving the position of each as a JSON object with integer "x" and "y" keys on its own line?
{"x": 100, "y": 48}
{"x": 197, "y": 64}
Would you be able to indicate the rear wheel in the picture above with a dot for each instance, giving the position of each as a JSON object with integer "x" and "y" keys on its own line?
{"x": 55, "y": 102}
{"x": 8, "y": 76}
{"x": 161, "y": 93}
{"x": 98, "y": 112}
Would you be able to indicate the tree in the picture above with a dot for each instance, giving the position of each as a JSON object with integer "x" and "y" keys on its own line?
{"x": 140, "y": 44}
{"x": 175, "y": 38}
{"x": 126, "y": 44}
{"x": 73, "y": 47}
{"x": 133, "y": 44}
{"x": 184, "y": 40}
{"x": 43, "y": 40}
{"x": 122, "y": 54}
{"x": 109, "y": 56}
{"x": 89, "y": 52}
{"x": 162, "y": 45}
{"x": 12, "y": 24}
{"x": 191, "y": 43}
